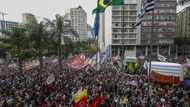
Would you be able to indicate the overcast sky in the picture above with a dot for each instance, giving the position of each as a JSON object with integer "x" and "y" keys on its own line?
{"x": 48, "y": 8}
{"x": 45, "y": 8}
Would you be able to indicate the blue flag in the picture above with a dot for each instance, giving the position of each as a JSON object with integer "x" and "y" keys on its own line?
{"x": 104, "y": 55}
{"x": 96, "y": 24}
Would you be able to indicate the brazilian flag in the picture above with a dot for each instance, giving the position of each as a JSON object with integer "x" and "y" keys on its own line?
{"x": 103, "y": 4}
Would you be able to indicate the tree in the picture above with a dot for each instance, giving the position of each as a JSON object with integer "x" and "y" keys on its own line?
{"x": 57, "y": 29}
{"x": 38, "y": 37}
{"x": 17, "y": 44}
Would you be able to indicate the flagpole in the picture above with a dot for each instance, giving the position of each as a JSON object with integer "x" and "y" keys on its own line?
{"x": 97, "y": 47}
{"x": 100, "y": 37}
{"x": 123, "y": 48}
{"x": 150, "y": 56}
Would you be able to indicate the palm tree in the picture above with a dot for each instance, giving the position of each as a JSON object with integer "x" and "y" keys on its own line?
{"x": 38, "y": 37}
{"x": 17, "y": 44}
{"x": 57, "y": 29}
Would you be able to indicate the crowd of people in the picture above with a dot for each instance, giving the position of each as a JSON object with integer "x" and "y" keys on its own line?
{"x": 30, "y": 89}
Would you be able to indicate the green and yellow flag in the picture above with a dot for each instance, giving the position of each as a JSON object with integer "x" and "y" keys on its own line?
{"x": 117, "y": 2}
{"x": 103, "y": 4}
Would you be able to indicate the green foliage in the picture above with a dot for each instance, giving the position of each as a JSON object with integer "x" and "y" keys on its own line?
{"x": 34, "y": 40}
{"x": 15, "y": 41}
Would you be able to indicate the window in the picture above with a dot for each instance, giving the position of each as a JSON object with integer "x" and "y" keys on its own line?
{"x": 115, "y": 30}
{"x": 132, "y": 36}
{"x": 131, "y": 30}
{"x": 116, "y": 41}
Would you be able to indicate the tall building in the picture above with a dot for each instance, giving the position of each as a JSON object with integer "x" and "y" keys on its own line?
{"x": 7, "y": 25}
{"x": 164, "y": 28}
{"x": 72, "y": 34}
{"x": 183, "y": 26}
{"x": 124, "y": 35}
{"x": 28, "y": 18}
{"x": 79, "y": 22}
{"x": 183, "y": 22}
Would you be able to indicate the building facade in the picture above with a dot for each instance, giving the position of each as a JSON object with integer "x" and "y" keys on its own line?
{"x": 183, "y": 27}
{"x": 183, "y": 22}
{"x": 164, "y": 29}
{"x": 124, "y": 36}
{"x": 71, "y": 33}
{"x": 79, "y": 22}
{"x": 7, "y": 25}
{"x": 28, "y": 18}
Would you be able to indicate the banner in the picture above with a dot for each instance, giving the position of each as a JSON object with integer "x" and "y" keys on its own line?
{"x": 50, "y": 79}
{"x": 92, "y": 60}
{"x": 164, "y": 78}
{"x": 77, "y": 62}
{"x": 188, "y": 62}
{"x": 161, "y": 58}
{"x": 145, "y": 65}
{"x": 104, "y": 55}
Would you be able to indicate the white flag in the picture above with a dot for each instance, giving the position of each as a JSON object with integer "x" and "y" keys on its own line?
{"x": 50, "y": 79}
{"x": 161, "y": 58}
{"x": 145, "y": 65}
{"x": 188, "y": 62}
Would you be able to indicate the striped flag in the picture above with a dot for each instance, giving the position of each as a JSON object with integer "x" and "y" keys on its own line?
{"x": 161, "y": 58}
{"x": 138, "y": 23}
{"x": 91, "y": 60}
{"x": 147, "y": 7}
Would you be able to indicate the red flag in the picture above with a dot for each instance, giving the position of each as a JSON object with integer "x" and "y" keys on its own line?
{"x": 77, "y": 62}
{"x": 81, "y": 103}
{"x": 97, "y": 101}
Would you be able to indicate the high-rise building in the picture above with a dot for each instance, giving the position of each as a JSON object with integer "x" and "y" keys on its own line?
{"x": 183, "y": 26}
{"x": 124, "y": 35}
{"x": 7, "y": 25}
{"x": 28, "y": 18}
{"x": 71, "y": 33}
{"x": 79, "y": 22}
{"x": 183, "y": 22}
{"x": 164, "y": 28}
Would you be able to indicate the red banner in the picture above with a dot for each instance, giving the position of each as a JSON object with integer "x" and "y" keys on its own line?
{"x": 77, "y": 62}
{"x": 164, "y": 78}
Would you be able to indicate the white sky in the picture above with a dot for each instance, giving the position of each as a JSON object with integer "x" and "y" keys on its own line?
{"x": 45, "y": 8}
{"x": 48, "y": 8}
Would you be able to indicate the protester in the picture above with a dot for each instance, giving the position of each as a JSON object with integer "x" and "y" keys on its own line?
{"x": 106, "y": 88}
